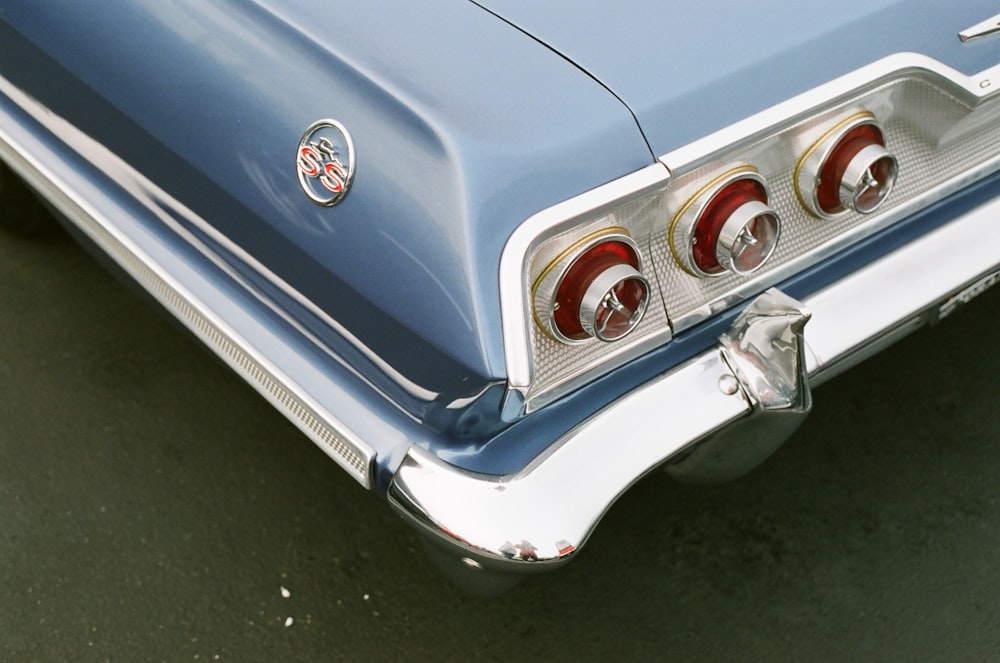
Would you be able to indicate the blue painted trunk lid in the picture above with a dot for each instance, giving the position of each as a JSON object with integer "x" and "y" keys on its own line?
{"x": 687, "y": 69}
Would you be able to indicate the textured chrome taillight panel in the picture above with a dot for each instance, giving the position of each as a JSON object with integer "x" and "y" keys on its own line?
{"x": 942, "y": 127}
{"x": 636, "y": 208}
{"x": 935, "y": 135}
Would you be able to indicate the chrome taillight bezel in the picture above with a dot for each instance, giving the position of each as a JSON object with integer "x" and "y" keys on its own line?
{"x": 684, "y": 228}
{"x": 545, "y": 291}
{"x": 809, "y": 172}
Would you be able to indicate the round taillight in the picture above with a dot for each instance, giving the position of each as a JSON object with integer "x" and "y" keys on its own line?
{"x": 849, "y": 168}
{"x": 595, "y": 289}
{"x": 728, "y": 227}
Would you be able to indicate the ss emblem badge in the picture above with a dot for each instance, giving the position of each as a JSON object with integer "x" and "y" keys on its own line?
{"x": 325, "y": 162}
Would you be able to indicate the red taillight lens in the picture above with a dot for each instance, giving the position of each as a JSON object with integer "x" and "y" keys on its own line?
{"x": 600, "y": 292}
{"x": 848, "y": 169}
{"x": 728, "y": 227}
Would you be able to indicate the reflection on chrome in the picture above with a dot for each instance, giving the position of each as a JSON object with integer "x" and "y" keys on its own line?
{"x": 766, "y": 351}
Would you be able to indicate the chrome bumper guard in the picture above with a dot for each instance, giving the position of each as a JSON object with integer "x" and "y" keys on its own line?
{"x": 739, "y": 400}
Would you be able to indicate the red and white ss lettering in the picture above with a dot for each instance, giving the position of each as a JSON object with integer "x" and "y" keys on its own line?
{"x": 309, "y": 161}
{"x": 334, "y": 177}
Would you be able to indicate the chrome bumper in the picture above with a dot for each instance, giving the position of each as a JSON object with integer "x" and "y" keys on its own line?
{"x": 539, "y": 516}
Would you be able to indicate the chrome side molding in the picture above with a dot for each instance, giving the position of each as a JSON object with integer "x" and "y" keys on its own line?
{"x": 113, "y": 222}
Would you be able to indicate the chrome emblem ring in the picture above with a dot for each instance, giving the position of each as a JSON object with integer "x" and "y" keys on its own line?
{"x": 325, "y": 162}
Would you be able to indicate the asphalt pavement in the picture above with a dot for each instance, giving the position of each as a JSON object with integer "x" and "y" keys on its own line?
{"x": 152, "y": 507}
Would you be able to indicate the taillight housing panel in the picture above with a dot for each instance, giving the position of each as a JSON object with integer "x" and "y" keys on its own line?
{"x": 718, "y": 221}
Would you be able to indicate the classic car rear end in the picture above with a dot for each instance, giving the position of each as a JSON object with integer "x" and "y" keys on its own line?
{"x": 501, "y": 271}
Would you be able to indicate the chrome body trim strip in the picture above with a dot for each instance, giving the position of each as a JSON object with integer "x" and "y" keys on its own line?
{"x": 550, "y": 507}
{"x": 981, "y": 29}
{"x": 978, "y": 87}
{"x": 313, "y": 419}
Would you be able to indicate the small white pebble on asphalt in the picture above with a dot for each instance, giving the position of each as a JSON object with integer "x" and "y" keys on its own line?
{"x": 285, "y": 593}
{"x": 288, "y": 622}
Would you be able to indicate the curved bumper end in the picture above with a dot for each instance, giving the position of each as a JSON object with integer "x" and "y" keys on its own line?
{"x": 542, "y": 515}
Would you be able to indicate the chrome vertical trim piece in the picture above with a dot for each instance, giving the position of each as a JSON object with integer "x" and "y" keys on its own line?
{"x": 766, "y": 350}
{"x": 765, "y": 347}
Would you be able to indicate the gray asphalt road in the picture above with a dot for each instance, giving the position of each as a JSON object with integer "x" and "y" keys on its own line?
{"x": 154, "y": 508}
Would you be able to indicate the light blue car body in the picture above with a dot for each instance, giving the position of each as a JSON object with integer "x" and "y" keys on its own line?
{"x": 467, "y": 119}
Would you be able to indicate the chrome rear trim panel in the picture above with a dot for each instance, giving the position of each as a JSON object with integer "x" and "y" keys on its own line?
{"x": 937, "y": 122}
{"x": 899, "y": 293}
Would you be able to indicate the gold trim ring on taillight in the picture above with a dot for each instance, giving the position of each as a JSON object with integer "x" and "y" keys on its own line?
{"x": 848, "y": 168}
{"x": 593, "y": 289}
{"x": 728, "y": 227}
